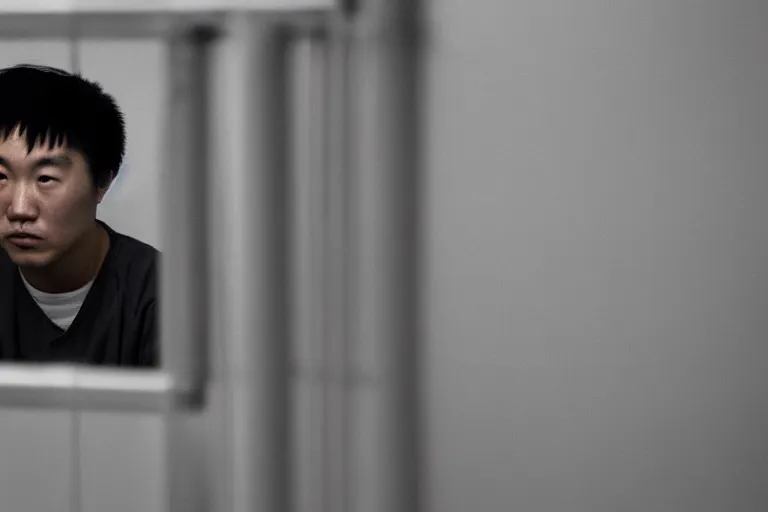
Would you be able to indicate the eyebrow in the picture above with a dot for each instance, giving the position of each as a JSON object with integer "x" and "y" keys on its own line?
{"x": 62, "y": 161}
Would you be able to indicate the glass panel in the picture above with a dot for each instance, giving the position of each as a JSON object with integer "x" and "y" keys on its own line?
{"x": 79, "y": 197}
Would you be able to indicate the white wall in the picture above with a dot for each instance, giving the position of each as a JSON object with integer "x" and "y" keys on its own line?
{"x": 596, "y": 252}
{"x": 135, "y": 73}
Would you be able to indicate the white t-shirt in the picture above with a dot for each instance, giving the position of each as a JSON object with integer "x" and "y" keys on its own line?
{"x": 61, "y": 308}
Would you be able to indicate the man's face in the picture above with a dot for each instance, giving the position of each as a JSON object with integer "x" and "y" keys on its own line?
{"x": 47, "y": 201}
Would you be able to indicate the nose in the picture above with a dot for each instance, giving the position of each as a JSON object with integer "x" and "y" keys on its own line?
{"x": 22, "y": 207}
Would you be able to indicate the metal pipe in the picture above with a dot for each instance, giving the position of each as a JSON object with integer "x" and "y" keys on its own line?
{"x": 386, "y": 105}
{"x": 83, "y": 389}
{"x": 184, "y": 217}
{"x": 308, "y": 276}
{"x": 255, "y": 265}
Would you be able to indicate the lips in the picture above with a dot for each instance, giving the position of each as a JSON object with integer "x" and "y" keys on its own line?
{"x": 23, "y": 236}
{"x": 24, "y": 240}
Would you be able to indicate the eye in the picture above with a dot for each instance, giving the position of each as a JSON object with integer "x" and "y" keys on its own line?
{"x": 46, "y": 179}
{"x": 3, "y": 177}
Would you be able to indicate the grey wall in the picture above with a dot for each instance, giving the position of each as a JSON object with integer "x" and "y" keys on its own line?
{"x": 596, "y": 255}
{"x": 595, "y": 278}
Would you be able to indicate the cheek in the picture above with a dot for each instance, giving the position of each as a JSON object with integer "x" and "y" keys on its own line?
{"x": 4, "y": 225}
{"x": 66, "y": 217}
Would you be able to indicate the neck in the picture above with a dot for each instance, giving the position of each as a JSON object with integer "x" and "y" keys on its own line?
{"x": 76, "y": 268}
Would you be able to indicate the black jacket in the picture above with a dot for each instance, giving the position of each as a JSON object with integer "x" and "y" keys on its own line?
{"x": 117, "y": 325}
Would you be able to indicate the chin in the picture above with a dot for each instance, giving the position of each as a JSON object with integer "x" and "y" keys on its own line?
{"x": 29, "y": 259}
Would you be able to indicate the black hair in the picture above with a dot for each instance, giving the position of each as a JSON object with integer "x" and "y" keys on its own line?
{"x": 50, "y": 104}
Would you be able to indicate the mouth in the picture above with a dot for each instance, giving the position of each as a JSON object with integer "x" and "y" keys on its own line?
{"x": 24, "y": 240}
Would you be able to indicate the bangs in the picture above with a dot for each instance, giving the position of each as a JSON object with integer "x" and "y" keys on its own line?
{"x": 36, "y": 135}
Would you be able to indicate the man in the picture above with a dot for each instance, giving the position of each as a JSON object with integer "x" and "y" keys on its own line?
{"x": 71, "y": 288}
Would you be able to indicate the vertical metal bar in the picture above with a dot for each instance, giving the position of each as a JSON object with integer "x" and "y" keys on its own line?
{"x": 308, "y": 128}
{"x": 184, "y": 216}
{"x": 339, "y": 274}
{"x": 255, "y": 265}
{"x": 385, "y": 64}
{"x": 184, "y": 264}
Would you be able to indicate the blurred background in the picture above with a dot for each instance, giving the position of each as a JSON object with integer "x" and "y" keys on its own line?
{"x": 527, "y": 269}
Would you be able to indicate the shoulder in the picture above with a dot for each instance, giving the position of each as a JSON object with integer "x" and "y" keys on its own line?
{"x": 134, "y": 254}
{"x": 135, "y": 264}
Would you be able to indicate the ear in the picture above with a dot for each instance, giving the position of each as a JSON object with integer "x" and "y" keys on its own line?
{"x": 101, "y": 191}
